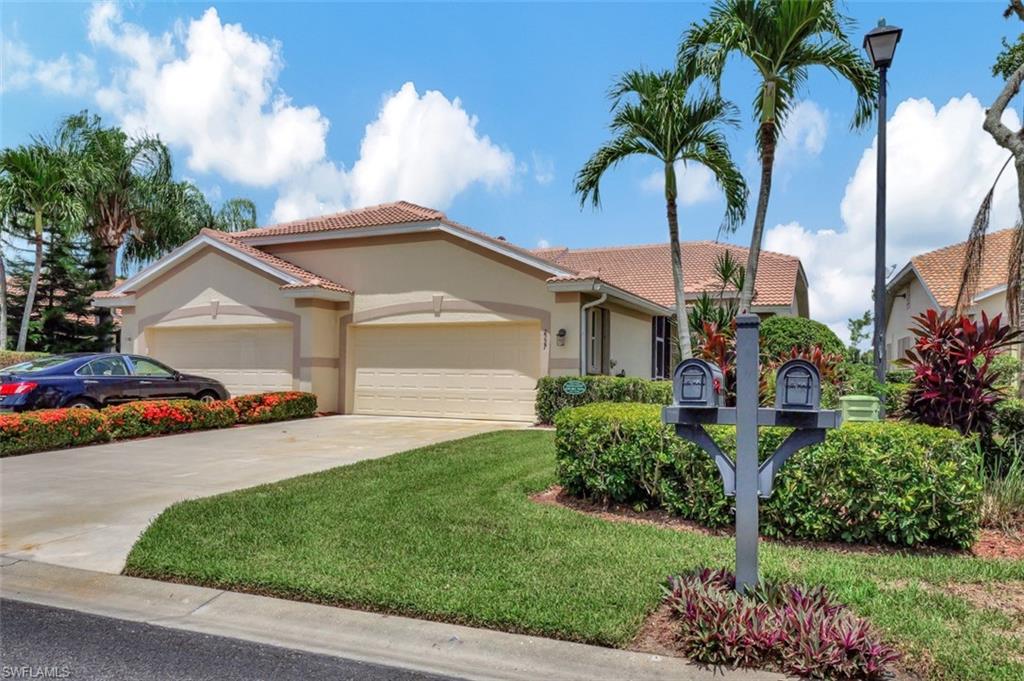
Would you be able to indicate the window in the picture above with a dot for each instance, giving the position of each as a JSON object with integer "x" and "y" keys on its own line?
{"x": 661, "y": 348}
{"x": 595, "y": 340}
{"x": 104, "y": 366}
{"x": 902, "y": 345}
{"x": 34, "y": 365}
{"x": 148, "y": 367}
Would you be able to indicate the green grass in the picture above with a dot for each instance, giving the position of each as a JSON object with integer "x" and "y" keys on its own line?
{"x": 448, "y": 532}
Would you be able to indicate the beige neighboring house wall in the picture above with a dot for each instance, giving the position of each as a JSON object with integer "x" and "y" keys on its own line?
{"x": 931, "y": 280}
{"x": 395, "y": 310}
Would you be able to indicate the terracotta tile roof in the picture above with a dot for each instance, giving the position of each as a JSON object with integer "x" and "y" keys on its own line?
{"x": 647, "y": 270}
{"x": 306, "y": 277}
{"x": 399, "y": 212}
{"x": 941, "y": 269}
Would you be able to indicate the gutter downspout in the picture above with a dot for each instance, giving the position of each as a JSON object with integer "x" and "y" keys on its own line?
{"x": 583, "y": 330}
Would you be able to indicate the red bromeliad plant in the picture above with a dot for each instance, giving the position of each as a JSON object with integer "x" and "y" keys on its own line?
{"x": 799, "y": 630}
{"x": 953, "y": 384}
{"x": 718, "y": 346}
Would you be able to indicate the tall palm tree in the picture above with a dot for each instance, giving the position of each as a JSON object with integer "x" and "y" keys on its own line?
{"x": 132, "y": 203}
{"x": 652, "y": 115}
{"x": 33, "y": 180}
{"x": 783, "y": 39}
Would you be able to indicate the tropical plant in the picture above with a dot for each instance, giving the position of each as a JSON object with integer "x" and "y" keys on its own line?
{"x": 858, "y": 335}
{"x": 779, "y": 335}
{"x": 34, "y": 181}
{"x": 717, "y": 344}
{"x": 654, "y": 114}
{"x": 130, "y": 198}
{"x": 783, "y": 40}
{"x": 953, "y": 383}
{"x": 718, "y": 310}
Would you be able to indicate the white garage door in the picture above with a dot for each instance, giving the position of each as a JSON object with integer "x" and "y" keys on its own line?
{"x": 246, "y": 359}
{"x": 457, "y": 371}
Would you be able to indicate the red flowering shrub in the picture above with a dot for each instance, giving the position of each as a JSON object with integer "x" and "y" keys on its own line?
{"x": 954, "y": 384}
{"x": 139, "y": 419}
{"x": 36, "y": 431}
{"x": 798, "y": 630}
{"x": 50, "y": 429}
{"x": 266, "y": 407}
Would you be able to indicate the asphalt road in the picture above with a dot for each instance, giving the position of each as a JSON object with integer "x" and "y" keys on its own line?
{"x": 39, "y": 642}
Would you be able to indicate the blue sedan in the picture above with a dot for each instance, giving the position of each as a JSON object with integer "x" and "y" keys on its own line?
{"x": 95, "y": 380}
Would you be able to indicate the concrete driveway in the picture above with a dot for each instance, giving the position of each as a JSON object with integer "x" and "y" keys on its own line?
{"x": 85, "y": 507}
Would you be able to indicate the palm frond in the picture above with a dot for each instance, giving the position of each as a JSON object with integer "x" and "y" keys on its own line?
{"x": 975, "y": 249}
{"x": 613, "y": 152}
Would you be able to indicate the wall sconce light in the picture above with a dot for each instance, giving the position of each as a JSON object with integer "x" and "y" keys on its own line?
{"x": 560, "y": 338}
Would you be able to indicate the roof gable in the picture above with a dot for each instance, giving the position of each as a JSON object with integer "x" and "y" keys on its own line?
{"x": 941, "y": 270}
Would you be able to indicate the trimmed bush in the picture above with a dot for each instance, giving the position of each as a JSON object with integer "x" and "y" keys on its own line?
{"x": 266, "y": 407}
{"x": 36, "y": 431}
{"x": 779, "y": 335}
{"x": 51, "y": 429}
{"x": 140, "y": 419}
{"x": 551, "y": 398}
{"x": 1010, "y": 419}
{"x": 12, "y": 357}
{"x": 890, "y": 482}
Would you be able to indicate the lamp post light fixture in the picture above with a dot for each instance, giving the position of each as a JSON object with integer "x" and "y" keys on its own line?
{"x": 880, "y": 43}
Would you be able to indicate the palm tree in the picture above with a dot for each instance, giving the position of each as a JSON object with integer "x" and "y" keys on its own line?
{"x": 652, "y": 115}
{"x": 33, "y": 180}
{"x": 783, "y": 39}
{"x": 132, "y": 202}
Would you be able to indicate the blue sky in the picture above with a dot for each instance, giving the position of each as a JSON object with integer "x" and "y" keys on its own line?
{"x": 518, "y": 105}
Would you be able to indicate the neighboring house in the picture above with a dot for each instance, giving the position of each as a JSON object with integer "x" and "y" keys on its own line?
{"x": 932, "y": 280}
{"x": 397, "y": 310}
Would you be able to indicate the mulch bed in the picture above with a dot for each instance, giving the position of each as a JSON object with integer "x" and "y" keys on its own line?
{"x": 991, "y": 543}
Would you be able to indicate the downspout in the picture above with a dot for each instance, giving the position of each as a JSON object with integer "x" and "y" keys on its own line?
{"x": 583, "y": 331}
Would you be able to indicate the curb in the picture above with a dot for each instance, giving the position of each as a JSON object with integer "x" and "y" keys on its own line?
{"x": 421, "y": 645}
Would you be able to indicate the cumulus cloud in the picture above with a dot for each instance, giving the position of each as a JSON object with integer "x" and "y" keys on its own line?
{"x": 543, "y": 169}
{"x": 210, "y": 88}
{"x": 543, "y": 243}
{"x": 696, "y": 184}
{"x": 64, "y": 75}
{"x": 805, "y": 132}
{"x": 941, "y": 163}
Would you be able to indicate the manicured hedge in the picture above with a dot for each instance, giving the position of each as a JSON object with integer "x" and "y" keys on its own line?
{"x": 551, "y": 397}
{"x": 36, "y": 431}
{"x": 266, "y": 407}
{"x": 12, "y": 357}
{"x": 141, "y": 419}
{"x": 889, "y": 482}
{"x": 779, "y": 335}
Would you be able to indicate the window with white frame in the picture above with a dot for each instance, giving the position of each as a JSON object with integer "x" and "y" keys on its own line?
{"x": 595, "y": 340}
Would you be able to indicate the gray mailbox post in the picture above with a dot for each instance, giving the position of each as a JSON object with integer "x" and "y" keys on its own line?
{"x": 797, "y": 405}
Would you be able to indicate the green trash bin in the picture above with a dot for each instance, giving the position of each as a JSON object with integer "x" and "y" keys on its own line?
{"x": 859, "y": 408}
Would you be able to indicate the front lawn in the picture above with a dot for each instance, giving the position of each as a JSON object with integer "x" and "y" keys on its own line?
{"x": 448, "y": 532}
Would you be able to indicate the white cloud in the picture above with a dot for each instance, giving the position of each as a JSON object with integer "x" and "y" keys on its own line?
{"x": 64, "y": 75}
{"x": 210, "y": 88}
{"x": 805, "y": 132}
{"x": 695, "y": 183}
{"x": 543, "y": 243}
{"x": 940, "y": 165}
{"x": 543, "y": 169}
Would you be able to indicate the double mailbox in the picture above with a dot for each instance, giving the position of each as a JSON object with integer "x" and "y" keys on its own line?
{"x": 699, "y": 384}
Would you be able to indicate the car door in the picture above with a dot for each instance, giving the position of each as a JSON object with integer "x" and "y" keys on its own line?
{"x": 154, "y": 381}
{"x": 106, "y": 380}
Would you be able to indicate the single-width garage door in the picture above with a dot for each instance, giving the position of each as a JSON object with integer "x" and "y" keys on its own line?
{"x": 451, "y": 370}
{"x": 246, "y": 359}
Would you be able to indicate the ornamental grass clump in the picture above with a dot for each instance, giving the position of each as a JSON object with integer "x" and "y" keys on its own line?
{"x": 795, "y": 629}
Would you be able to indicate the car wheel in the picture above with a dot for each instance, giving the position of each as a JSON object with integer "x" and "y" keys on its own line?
{"x": 81, "y": 403}
{"x": 207, "y": 398}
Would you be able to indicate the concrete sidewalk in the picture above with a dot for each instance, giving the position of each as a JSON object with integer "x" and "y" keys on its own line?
{"x": 445, "y": 649}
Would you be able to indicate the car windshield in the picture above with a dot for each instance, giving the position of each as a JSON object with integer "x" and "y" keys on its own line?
{"x": 38, "y": 364}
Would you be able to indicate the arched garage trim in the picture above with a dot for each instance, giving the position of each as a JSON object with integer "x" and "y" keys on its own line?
{"x": 216, "y": 310}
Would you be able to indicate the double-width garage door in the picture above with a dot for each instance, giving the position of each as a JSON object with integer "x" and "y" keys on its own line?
{"x": 451, "y": 370}
{"x": 246, "y": 359}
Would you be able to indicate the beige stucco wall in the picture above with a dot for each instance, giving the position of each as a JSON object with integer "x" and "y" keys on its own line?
{"x": 630, "y": 342}
{"x": 915, "y": 300}
{"x": 432, "y": 280}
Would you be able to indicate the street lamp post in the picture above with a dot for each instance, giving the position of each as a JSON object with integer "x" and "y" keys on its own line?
{"x": 880, "y": 43}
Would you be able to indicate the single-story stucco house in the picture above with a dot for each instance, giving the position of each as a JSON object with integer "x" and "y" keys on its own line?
{"x": 398, "y": 310}
{"x": 932, "y": 280}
